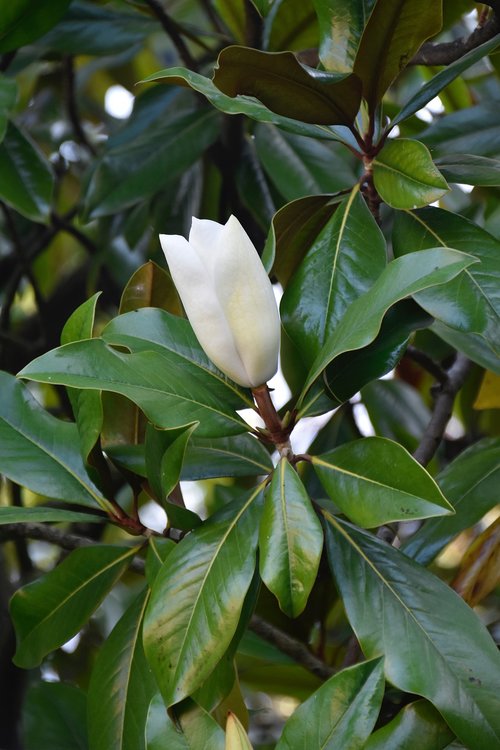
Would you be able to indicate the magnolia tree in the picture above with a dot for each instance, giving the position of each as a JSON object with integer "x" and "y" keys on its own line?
{"x": 185, "y": 541}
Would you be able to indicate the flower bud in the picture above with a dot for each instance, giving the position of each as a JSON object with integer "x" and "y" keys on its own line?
{"x": 227, "y": 297}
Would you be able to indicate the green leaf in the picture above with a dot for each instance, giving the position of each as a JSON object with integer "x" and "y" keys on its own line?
{"x": 41, "y": 452}
{"x": 170, "y": 393}
{"x": 474, "y": 129}
{"x": 158, "y": 550}
{"x": 442, "y": 79}
{"x": 26, "y": 180}
{"x": 288, "y": 88}
{"x": 474, "y": 345}
{"x": 395, "y": 31}
{"x": 150, "y": 286}
{"x": 405, "y": 175}
{"x": 341, "y": 714}
{"x": 236, "y": 737}
{"x": 471, "y": 482}
{"x": 40, "y": 514}
{"x": 434, "y": 644}
{"x": 54, "y": 717}
{"x": 400, "y": 279}
{"x": 290, "y": 540}
{"x": 23, "y": 21}
{"x": 161, "y": 732}
{"x": 8, "y": 99}
{"x": 341, "y": 25}
{"x": 376, "y": 481}
{"x": 121, "y": 686}
{"x": 238, "y": 104}
{"x": 238, "y": 456}
{"x": 344, "y": 261}
{"x": 291, "y": 25}
{"x": 130, "y": 172}
{"x": 471, "y": 302}
{"x": 419, "y": 719}
{"x": 469, "y": 169}
{"x": 198, "y": 596}
{"x": 165, "y": 451}
{"x": 198, "y": 730}
{"x": 51, "y": 610}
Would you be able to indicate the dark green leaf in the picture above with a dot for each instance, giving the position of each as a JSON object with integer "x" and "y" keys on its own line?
{"x": 376, "y": 481}
{"x": 475, "y": 130}
{"x": 158, "y": 550}
{"x": 442, "y": 79}
{"x": 165, "y": 452}
{"x": 238, "y": 456}
{"x": 344, "y": 261}
{"x": 26, "y": 180}
{"x": 288, "y": 88}
{"x": 341, "y": 24}
{"x": 434, "y": 644}
{"x": 198, "y": 596}
{"x": 54, "y": 717}
{"x": 290, "y": 540}
{"x": 50, "y": 611}
{"x": 150, "y": 286}
{"x": 170, "y": 394}
{"x": 128, "y": 173}
{"x": 394, "y": 32}
{"x": 471, "y": 170}
{"x": 121, "y": 686}
{"x": 8, "y": 98}
{"x": 471, "y": 482}
{"x": 474, "y": 345}
{"x": 290, "y": 25}
{"x": 405, "y": 175}
{"x": 401, "y": 278}
{"x": 341, "y": 714}
{"x": 419, "y": 719}
{"x": 23, "y": 21}
{"x": 40, "y": 514}
{"x": 41, "y": 452}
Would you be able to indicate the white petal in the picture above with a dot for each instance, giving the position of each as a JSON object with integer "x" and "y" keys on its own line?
{"x": 206, "y": 237}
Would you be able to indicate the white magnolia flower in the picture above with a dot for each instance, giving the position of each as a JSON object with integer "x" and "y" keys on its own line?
{"x": 227, "y": 297}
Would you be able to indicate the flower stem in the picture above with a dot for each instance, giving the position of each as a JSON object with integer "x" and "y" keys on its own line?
{"x": 278, "y": 433}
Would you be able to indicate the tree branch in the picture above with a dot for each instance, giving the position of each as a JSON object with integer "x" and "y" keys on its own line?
{"x": 290, "y": 646}
{"x": 72, "y": 106}
{"x": 447, "y": 52}
{"x": 429, "y": 364}
{"x": 443, "y": 405}
{"x": 172, "y": 31}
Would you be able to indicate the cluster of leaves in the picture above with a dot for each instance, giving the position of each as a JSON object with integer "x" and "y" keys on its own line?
{"x": 307, "y": 575}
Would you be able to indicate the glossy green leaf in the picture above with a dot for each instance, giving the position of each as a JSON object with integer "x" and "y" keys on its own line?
{"x": 288, "y": 88}
{"x": 419, "y": 719}
{"x": 238, "y": 104}
{"x": 161, "y": 732}
{"x": 8, "y": 98}
{"x": 376, "y": 481}
{"x": 54, "y": 717}
{"x": 443, "y": 79}
{"x": 51, "y": 610}
{"x": 471, "y": 302}
{"x": 471, "y": 483}
{"x": 293, "y": 229}
{"x": 341, "y": 714}
{"x": 237, "y": 456}
{"x": 341, "y": 25}
{"x": 89, "y": 29}
{"x": 344, "y": 261}
{"x": 400, "y": 279}
{"x": 150, "y": 286}
{"x": 129, "y": 172}
{"x": 198, "y": 596}
{"x": 474, "y": 345}
{"x": 26, "y": 180}
{"x": 236, "y": 737}
{"x": 41, "y": 452}
{"x": 195, "y": 730}
{"x": 170, "y": 393}
{"x": 469, "y": 169}
{"x": 291, "y": 25}
{"x": 394, "y": 32}
{"x": 290, "y": 540}
{"x": 40, "y": 514}
{"x": 121, "y": 686}
{"x": 158, "y": 550}
{"x": 405, "y": 175}
{"x": 434, "y": 644}
{"x": 474, "y": 129}
{"x": 23, "y": 21}
{"x": 165, "y": 451}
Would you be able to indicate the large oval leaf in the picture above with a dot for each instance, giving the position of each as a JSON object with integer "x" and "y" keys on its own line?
{"x": 341, "y": 25}
{"x": 22, "y": 21}
{"x": 341, "y": 714}
{"x": 434, "y": 644}
{"x": 198, "y": 597}
{"x": 419, "y": 719}
{"x": 376, "y": 481}
{"x": 48, "y": 612}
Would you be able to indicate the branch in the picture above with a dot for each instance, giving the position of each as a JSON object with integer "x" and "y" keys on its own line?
{"x": 443, "y": 405}
{"x": 172, "y": 31}
{"x": 290, "y": 646}
{"x": 447, "y": 52}
{"x": 429, "y": 364}
{"x": 72, "y": 107}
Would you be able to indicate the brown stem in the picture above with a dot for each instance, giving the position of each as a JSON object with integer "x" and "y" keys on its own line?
{"x": 278, "y": 433}
{"x": 172, "y": 30}
{"x": 447, "y": 52}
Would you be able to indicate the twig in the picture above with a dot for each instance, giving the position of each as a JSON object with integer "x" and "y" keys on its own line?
{"x": 6, "y": 59}
{"x": 65, "y": 226}
{"x": 429, "y": 364}
{"x": 290, "y": 646}
{"x": 172, "y": 31}
{"x": 447, "y": 52}
{"x": 72, "y": 106}
{"x": 443, "y": 405}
